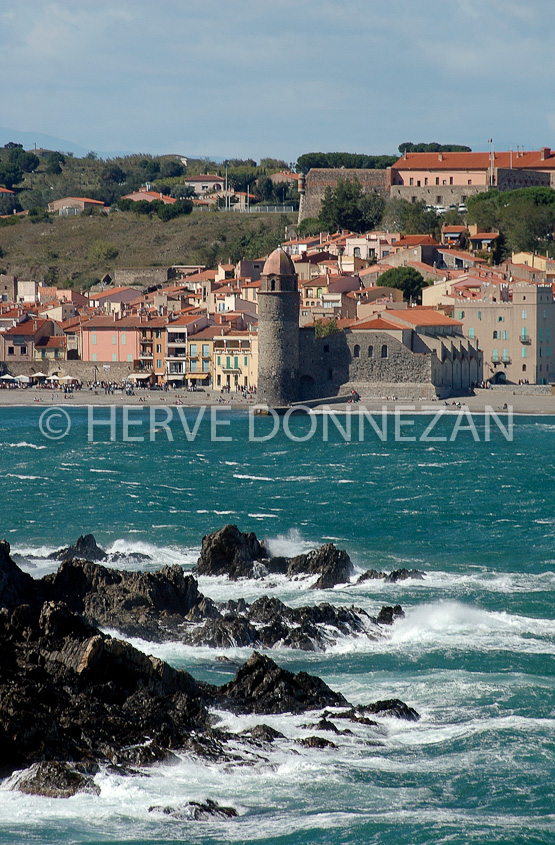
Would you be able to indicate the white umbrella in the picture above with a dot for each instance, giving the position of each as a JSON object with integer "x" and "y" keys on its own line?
{"x": 52, "y": 378}
{"x": 23, "y": 379}
{"x": 68, "y": 378}
{"x": 7, "y": 377}
{"x": 39, "y": 375}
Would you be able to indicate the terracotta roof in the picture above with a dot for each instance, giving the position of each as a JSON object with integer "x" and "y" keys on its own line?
{"x": 51, "y": 342}
{"x": 379, "y": 323}
{"x": 6, "y": 191}
{"x": 527, "y": 160}
{"x": 28, "y": 328}
{"x": 421, "y": 316}
{"x": 484, "y": 236}
{"x": 465, "y": 255}
{"x": 205, "y": 177}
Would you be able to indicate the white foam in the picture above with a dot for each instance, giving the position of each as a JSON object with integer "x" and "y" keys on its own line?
{"x": 252, "y": 477}
{"x": 24, "y": 445}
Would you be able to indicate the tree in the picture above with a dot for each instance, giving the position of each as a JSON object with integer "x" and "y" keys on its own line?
{"x": 113, "y": 173}
{"x": 171, "y": 169}
{"x": 410, "y": 218}
{"x": 346, "y": 207}
{"x": 102, "y": 251}
{"x": 10, "y": 174}
{"x": 434, "y": 147}
{"x": 324, "y": 328}
{"x": 28, "y": 162}
{"x": 525, "y": 217}
{"x": 54, "y": 162}
{"x": 11, "y": 145}
{"x": 407, "y": 279}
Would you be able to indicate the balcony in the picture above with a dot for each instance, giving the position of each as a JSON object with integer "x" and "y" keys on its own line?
{"x": 524, "y": 338}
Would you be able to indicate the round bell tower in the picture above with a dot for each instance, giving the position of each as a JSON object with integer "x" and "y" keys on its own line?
{"x": 278, "y": 331}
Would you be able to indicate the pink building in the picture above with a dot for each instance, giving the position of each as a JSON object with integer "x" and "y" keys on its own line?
{"x": 107, "y": 339}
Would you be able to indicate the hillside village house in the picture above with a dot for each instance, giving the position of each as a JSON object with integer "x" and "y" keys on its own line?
{"x": 107, "y": 339}
{"x": 69, "y": 206}
{"x": 177, "y": 367}
{"x": 205, "y": 184}
{"x": 148, "y": 196}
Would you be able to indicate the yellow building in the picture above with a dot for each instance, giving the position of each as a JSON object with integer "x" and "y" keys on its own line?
{"x": 235, "y": 360}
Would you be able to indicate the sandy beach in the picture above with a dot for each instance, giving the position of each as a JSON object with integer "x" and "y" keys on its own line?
{"x": 520, "y": 402}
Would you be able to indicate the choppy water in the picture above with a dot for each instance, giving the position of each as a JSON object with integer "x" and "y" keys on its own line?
{"x": 474, "y": 655}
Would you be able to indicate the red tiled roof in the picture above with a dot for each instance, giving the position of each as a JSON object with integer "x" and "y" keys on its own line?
{"x": 51, "y": 342}
{"x": 527, "y": 160}
{"x": 421, "y": 316}
{"x": 379, "y": 323}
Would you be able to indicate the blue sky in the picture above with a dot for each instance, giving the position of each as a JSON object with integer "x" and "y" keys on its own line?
{"x": 253, "y": 78}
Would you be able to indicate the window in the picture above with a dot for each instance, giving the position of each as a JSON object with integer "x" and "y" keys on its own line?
{"x": 425, "y": 180}
{"x": 158, "y": 332}
{"x": 524, "y": 315}
{"x": 205, "y": 350}
{"x": 471, "y": 332}
{"x": 541, "y": 352}
{"x": 11, "y": 350}
{"x": 547, "y": 334}
{"x": 470, "y": 181}
{"x": 437, "y": 180}
{"x": 193, "y": 350}
{"x": 495, "y": 356}
{"x": 370, "y": 351}
{"x": 159, "y": 363}
{"x": 547, "y": 351}
{"x": 495, "y": 335}
{"x": 246, "y": 361}
{"x": 326, "y": 347}
{"x": 56, "y": 353}
{"x": 43, "y": 353}
{"x": 330, "y": 374}
{"x": 94, "y": 356}
{"x": 450, "y": 180}
{"x": 461, "y": 315}
{"x": 193, "y": 366}
{"x": 411, "y": 181}
{"x": 94, "y": 339}
{"x": 123, "y": 339}
{"x": 23, "y": 350}
{"x": 356, "y": 351}
{"x": 524, "y": 352}
{"x": 114, "y": 341}
{"x": 219, "y": 360}
{"x": 505, "y": 335}
{"x": 501, "y": 319}
{"x": 545, "y": 313}
{"x": 114, "y": 356}
{"x": 506, "y": 355}
{"x": 158, "y": 347}
{"x": 541, "y": 335}
{"x": 524, "y": 333}
{"x": 219, "y": 380}
{"x": 236, "y": 362}
{"x": 129, "y": 357}
{"x": 206, "y": 366}
{"x": 228, "y": 362}
{"x": 384, "y": 351}
{"x": 272, "y": 285}
{"x": 479, "y": 315}
{"x": 524, "y": 368}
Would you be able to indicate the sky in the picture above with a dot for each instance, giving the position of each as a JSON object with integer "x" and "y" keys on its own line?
{"x": 253, "y": 78}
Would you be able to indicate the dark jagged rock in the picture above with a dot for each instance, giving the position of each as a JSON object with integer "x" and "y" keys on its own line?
{"x": 391, "y": 707}
{"x": 316, "y": 742}
{"x": 85, "y": 548}
{"x": 333, "y": 566}
{"x": 388, "y": 615}
{"x": 54, "y": 780}
{"x": 230, "y": 552}
{"x": 391, "y": 577}
{"x": 263, "y": 733}
{"x": 197, "y": 811}
{"x": 136, "y": 603}
{"x": 261, "y": 686}
{"x": 16, "y": 587}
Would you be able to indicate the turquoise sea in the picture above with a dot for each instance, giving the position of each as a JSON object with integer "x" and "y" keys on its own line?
{"x": 474, "y": 654}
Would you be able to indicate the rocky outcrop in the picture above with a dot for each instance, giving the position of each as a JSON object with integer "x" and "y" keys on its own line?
{"x": 391, "y": 577}
{"x": 84, "y": 548}
{"x": 333, "y": 566}
{"x": 16, "y": 587}
{"x": 261, "y": 686}
{"x": 142, "y": 604}
{"x": 55, "y": 780}
{"x": 237, "y": 555}
{"x": 230, "y": 552}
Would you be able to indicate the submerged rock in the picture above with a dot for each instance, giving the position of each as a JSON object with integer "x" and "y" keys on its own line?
{"x": 391, "y": 577}
{"x": 197, "y": 811}
{"x": 391, "y": 707}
